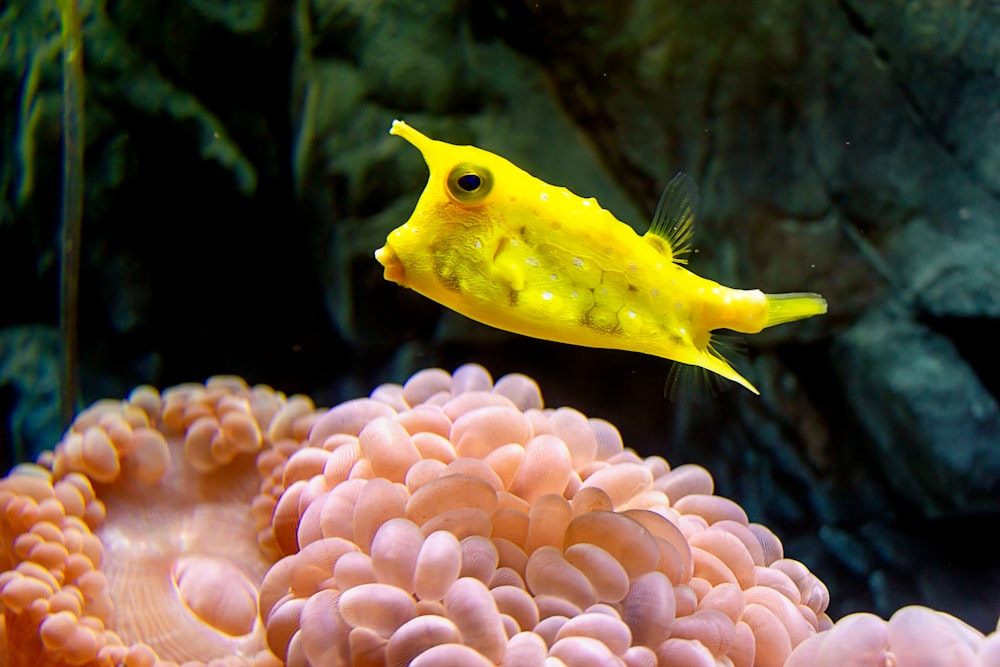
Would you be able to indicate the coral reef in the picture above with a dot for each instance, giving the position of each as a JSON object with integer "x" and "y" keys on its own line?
{"x": 449, "y": 519}
{"x": 458, "y": 512}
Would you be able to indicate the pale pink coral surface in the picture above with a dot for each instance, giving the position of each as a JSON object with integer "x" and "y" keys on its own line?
{"x": 450, "y": 520}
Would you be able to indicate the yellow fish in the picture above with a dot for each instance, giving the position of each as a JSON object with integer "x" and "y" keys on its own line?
{"x": 502, "y": 247}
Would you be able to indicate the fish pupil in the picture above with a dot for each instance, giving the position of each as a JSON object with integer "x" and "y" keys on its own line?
{"x": 469, "y": 182}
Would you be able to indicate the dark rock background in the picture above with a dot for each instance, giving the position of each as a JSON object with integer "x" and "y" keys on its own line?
{"x": 239, "y": 175}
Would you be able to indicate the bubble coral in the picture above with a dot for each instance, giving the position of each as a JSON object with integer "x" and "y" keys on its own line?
{"x": 141, "y": 539}
{"x": 913, "y": 636}
{"x": 450, "y": 520}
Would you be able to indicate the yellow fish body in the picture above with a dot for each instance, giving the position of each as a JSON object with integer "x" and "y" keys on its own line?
{"x": 502, "y": 247}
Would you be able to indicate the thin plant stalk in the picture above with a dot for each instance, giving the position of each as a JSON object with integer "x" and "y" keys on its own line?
{"x": 72, "y": 207}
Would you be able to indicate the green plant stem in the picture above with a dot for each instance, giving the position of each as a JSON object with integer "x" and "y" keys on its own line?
{"x": 72, "y": 207}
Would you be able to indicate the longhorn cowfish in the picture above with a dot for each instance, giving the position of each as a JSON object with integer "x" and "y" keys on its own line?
{"x": 494, "y": 243}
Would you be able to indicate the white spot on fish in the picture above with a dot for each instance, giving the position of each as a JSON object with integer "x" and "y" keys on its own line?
{"x": 577, "y": 262}
{"x": 683, "y": 331}
{"x": 715, "y": 290}
{"x": 531, "y": 261}
{"x": 656, "y": 292}
{"x": 478, "y": 243}
{"x": 553, "y": 277}
{"x": 701, "y": 290}
{"x": 547, "y": 295}
{"x": 585, "y": 202}
{"x": 631, "y": 314}
{"x": 514, "y": 243}
{"x": 544, "y": 196}
{"x": 727, "y": 300}
{"x": 574, "y": 294}
{"x": 565, "y": 193}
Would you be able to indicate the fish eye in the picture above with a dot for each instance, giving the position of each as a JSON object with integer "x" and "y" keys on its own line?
{"x": 469, "y": 183}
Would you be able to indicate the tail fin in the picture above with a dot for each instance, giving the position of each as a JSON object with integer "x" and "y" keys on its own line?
{"x": 793, "y": 306}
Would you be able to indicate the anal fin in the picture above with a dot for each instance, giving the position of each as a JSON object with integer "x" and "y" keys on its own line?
{"x": 692, "y": 383}
{"x": 697, "y": 382}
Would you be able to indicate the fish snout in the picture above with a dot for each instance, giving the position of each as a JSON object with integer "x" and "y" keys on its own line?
{"x": 394, "y": 269}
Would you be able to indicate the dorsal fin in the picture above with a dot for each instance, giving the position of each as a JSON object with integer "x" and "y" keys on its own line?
{"x": 673, "y": 220}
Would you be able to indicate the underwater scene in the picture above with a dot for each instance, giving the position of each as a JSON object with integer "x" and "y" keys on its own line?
{"x": 390, "y": 332}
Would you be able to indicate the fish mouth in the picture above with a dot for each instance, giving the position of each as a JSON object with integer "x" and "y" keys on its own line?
{"x": 394, "y": 269}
